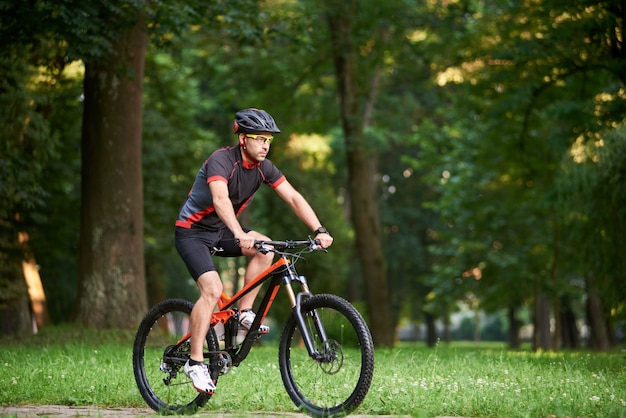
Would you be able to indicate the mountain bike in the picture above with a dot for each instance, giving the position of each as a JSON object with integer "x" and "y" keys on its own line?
{"x": 325, "y": 353}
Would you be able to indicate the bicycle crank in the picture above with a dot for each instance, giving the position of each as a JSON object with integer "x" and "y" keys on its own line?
{"x": 221, "y": 360}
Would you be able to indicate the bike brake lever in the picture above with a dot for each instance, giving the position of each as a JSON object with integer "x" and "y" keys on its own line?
{"x": 315, "y": 246}
{"x": 263, "y": 249}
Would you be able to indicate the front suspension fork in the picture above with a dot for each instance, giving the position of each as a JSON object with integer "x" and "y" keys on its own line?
{"x": 296, "y": 306}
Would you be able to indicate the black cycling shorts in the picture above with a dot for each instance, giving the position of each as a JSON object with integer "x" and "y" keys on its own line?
{"x": 196, "y": 246}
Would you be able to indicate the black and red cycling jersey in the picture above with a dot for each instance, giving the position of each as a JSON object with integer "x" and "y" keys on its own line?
{"x": 243, "y": 180}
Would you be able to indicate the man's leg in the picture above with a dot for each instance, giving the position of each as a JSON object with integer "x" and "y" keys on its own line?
{"x": 210, "y": 287}
{"x": 210, "y": 290}
{"x": 258, "y": 264}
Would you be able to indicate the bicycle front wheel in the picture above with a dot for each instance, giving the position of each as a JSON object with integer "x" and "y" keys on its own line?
{"x": 158, "y": 359}
{"x": 337, "y": 378}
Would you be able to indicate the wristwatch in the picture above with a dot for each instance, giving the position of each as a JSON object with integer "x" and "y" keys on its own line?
{"x": 321, "y": 230}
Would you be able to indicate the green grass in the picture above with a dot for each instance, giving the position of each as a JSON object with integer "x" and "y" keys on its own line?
{"x": 79, "y": 367}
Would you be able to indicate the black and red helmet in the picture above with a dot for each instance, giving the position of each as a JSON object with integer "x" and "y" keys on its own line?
{"x": 254, "y": 120}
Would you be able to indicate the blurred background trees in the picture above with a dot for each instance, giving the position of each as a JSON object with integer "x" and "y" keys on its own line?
{"x": 467, "y": 156}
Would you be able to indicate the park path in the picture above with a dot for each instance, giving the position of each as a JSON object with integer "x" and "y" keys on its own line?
{"x": 60, "y": 411}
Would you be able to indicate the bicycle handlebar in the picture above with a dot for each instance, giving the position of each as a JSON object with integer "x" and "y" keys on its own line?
{"x": 313, "y": 244}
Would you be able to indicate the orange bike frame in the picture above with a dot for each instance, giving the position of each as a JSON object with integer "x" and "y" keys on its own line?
{"x": 225, "y": 303}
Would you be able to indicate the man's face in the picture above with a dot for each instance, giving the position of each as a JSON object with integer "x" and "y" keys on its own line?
{"x": 257, "y": 144}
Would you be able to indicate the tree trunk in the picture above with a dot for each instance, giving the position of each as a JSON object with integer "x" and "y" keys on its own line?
{"x": 514, "y": 329}
{"x": 368, "y": 240}
{"x": 363, "y": 203}
{"x": 598, "y": 335}
{"x": 112, "y": 291}
{"x": 36, "y": 292}
{"x": 541, "y": 338}
{"x": 569, "y": 330}
{"x": 431, "y": 329}
{"x": 558, "y": 326}
{"x": 15, "y": 316}
{"x": 447, "y": 338}
{"x": 554, "y": 274}
{"x": 476, "y": 323}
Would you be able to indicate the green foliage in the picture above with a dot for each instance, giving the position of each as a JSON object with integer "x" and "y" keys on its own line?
{"x": 592, "y": 196}
{"x": 174, "y": 146}
{"x": 26, "y": 147}
{"x": 527, "y": 88}
{"x": 478, "y": 107}
{"x": 53, "y": 227}
{"x": 25, "y": 141}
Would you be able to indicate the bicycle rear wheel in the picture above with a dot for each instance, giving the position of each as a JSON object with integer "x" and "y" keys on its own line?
{"x": 158, "y": 366}
{"x": 338, "y": 380}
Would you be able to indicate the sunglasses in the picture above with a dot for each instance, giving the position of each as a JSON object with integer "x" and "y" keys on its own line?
{"x": 264, "y": 139}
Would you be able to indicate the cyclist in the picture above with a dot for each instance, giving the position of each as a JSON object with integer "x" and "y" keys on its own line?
{"x": 207, "y": 225}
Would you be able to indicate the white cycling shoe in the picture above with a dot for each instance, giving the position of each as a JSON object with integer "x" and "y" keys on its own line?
{"x": 200, "y": 377}
{"x": 246, "y": 318}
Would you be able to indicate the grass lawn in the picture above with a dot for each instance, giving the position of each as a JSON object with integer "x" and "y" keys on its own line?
{"x": 78, "y": 367}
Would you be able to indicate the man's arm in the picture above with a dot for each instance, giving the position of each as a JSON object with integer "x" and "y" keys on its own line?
{"x": 226, "y": 212}
{"x": 303, "y": 210}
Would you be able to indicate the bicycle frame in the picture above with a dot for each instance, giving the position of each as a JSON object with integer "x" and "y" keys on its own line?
{"x": 283, "y": 271}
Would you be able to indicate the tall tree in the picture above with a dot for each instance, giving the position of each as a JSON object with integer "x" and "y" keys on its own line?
{"x": 357, "y": 97}
{"x": 112, "y": 286}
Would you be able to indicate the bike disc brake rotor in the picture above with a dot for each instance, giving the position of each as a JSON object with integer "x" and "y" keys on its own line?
{"x": 332, "y": 358}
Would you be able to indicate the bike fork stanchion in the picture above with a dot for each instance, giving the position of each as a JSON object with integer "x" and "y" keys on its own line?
{"x": 304, "y": 331}
{"x": 296, "y": 304}
{"x": 319, "y": 327}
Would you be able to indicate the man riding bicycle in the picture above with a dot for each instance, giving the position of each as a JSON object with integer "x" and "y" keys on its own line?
{"x": 207, "y": 225}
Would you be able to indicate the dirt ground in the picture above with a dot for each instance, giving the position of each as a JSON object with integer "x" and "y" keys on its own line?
{"x": 35, "y": 411}
{"x": 38, "y": 411}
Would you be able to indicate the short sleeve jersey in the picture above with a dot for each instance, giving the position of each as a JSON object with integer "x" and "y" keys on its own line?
{"x": 243, "y": 181}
